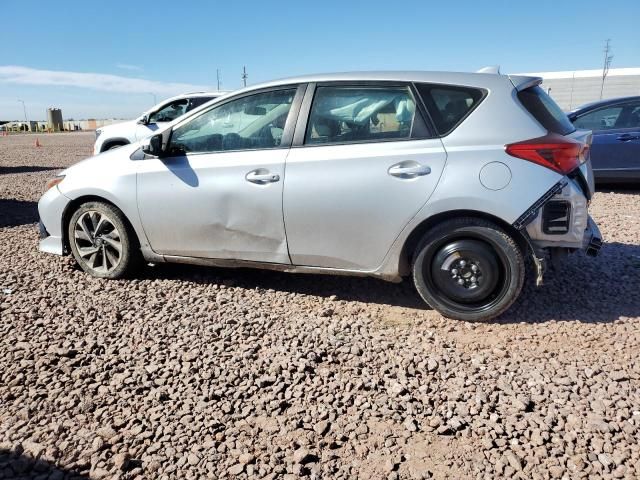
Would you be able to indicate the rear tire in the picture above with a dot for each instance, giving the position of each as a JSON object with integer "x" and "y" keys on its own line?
{"x": 468, "y": 269}
{"x": 102, "y": 242}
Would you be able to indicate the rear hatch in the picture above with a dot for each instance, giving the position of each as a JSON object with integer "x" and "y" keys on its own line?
{"x": 551, "y": 117}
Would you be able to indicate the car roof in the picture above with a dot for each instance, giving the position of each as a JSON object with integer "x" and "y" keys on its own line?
{"x": 218, "y": 93}
{"x": 454, "y": 78}
{"x": 604, "y": 103}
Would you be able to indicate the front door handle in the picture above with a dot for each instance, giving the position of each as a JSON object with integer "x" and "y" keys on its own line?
{"x": 625, "y": 137}
{"x": 261, "y": 176}
{"x": 408, "y": 170}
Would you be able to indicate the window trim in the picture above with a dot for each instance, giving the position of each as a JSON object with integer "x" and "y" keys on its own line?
{"x": 304, "y": 115}
{"x": 483, "y": 91}
{"x": 289, "y": 127}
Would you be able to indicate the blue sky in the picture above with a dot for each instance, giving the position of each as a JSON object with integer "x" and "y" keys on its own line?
{"x": 164, "y": 48}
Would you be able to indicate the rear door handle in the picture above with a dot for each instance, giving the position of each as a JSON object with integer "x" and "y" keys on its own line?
{"x": 408, "y": 170}
{"x": 625, "y": 137}
{"x": 261, "y": 176}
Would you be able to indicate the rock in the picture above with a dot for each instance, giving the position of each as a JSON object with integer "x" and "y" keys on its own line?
{"x": 410, "y": 424}
{"x": 236, "y": 469}
{"x": 303, "y": 456}
{"x": 513, "y": 460}
{"x": 321, "y": 427}
{"x": 106, "y": 432}
{"x": 121, "y": 461}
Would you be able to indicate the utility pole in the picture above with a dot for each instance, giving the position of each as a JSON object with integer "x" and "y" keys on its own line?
{"x": 154, "y": 98}
{"x": 218, "y": 77}
{"x": 25, "y": 115}
{"x": 607, "y": 63}
{"x": 573, "y": 81}
{"x": 244, "y": 76}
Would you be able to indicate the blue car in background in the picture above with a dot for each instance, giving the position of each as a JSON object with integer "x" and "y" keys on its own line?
{"x": 615, "y": 151}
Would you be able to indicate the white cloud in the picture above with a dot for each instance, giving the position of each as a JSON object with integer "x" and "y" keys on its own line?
{"x": 126, "y": 66}
{"x": 95, "y": 81}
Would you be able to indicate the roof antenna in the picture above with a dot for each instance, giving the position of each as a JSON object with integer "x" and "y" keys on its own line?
{"x": 495, "y": 69}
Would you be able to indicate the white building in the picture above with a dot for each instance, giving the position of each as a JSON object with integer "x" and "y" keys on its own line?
{"x": 574, "y": 88}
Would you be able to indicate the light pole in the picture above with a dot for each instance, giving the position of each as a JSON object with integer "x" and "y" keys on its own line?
{"x": 154, "y": 98}
{"x": 24, "y": 108}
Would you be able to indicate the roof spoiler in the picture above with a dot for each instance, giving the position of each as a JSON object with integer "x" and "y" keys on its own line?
{"x": 522, "y": 83}
{"x": 495, "y": 69}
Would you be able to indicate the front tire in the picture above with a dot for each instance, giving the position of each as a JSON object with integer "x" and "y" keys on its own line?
{"x": 468, "y": 269}
{"x": 102, "y": 242}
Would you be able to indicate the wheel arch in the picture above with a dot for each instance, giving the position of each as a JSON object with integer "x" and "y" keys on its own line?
{"x": 74, "y": 204}
{"x": 120, "y": 141}
{"x": 412, "y": 240}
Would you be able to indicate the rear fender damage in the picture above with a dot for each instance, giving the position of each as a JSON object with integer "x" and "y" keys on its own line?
{"x": 557, "y": 223}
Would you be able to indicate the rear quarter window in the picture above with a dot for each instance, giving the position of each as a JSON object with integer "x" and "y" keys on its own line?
{"x": 449, "y": 105}
{"x": 545, "y": 110}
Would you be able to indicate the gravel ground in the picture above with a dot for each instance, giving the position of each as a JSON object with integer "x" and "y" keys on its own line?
{"x": 191, "y": 372}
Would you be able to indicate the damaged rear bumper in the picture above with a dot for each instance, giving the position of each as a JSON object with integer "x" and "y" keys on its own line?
{"x": 559, "y": 222}
{"x": 592, "y": 239}
{"x": 560, "y": 219}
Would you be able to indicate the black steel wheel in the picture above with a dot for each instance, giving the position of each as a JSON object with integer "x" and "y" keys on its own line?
{"x": 468, "y": 269}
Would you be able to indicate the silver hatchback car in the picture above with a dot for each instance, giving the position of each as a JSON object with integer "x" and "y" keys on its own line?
{"x": 453, "y": 179}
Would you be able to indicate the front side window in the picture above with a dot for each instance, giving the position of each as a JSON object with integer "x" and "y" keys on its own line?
{"x": 251, "y": 122}
{"x": 449, "y": 105}
{"x": 170, "y": 112}
{"x": 360, "y": 114}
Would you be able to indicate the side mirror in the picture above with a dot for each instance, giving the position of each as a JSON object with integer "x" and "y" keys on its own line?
{"x": 143, "y": 120}
{"x": 154, "y": 147}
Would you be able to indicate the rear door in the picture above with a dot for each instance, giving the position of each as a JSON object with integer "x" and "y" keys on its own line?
{"x": 362, "y": 165}
{"x": 615, "y": 150}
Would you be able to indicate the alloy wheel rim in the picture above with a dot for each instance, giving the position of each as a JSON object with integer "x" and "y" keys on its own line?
{"x": 98, "y": 242}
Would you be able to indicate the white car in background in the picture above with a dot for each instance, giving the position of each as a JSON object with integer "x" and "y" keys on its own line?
{"x": 124, "y": 133}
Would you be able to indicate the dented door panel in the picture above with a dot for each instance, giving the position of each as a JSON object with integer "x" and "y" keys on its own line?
{"x": 211, "y": 206}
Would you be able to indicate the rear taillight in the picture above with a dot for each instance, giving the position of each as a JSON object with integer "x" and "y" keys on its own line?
{"x": 553, "y": 151}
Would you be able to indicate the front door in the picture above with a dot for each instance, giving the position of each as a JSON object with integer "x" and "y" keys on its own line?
{"x": 359, "y": 176}
{"x": 218, "y": 192}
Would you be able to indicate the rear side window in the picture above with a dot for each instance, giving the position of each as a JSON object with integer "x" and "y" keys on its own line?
{"x": 545, "y": 110}
{"x": 610, "y": 118}
{"x": 360, "y": 114}
{"x": 195, "y": 102}
{"x": 449, "y": 105}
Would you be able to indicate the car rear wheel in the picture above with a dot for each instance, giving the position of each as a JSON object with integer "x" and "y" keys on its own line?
{"x": 468, "y": 269}
{"x": 102, "y": 242}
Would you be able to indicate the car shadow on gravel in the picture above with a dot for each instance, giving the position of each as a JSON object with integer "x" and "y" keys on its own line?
{"x": 354, "y": 289}
{"x": 16, "y": 465}
{"x": 25, "y": 169}
{"x": 17, "y": 212}
{"x": 584, "y": 289}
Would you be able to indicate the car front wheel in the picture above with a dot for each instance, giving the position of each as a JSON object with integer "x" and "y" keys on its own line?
{"x": 102, "y": 242}
{"x": 468, "y": 269}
